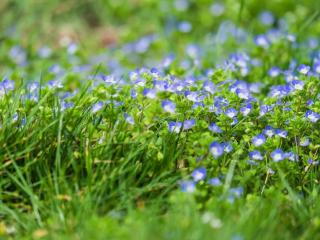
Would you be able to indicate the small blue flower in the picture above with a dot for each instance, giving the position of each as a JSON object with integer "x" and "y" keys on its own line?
{"x": 303, "y": 69}
{"x": 277, "y": 155}
{"x": 297, "y": 85}
{"x": 227, "y": 147}
{"x": 175, "y": 126}
{"x": 281, "y": 133}
{"x": 188, "y": 124}
{"x": 262, "y": 41}
{"x": 209, "y": 87}
{"x": 214, "y": 182}
{"x": 291, "y": 156}
{"x": 243, "y": 93}
{"x": 66, "y": 105}
{"x": 304, "y": 142}
{"x": 234, "y": 121}
{"x": 97, "y": 106}
{"x": 185, "y": 26}
{"x": 128, "y": 118}
{"x": 268, "y": 131}
{"x": 192, "y": 96}
{"x": 231, "y": 112}
{"x": 255, "y": 155}
{"x": 7, "y": 84}
{"x": 168, "y": 106}
{"x": 216, "y": 149}
{"x": 311, "y": 161}
{"x": 245, "y": 110}
{"x": 217, "y": 9}
{"x": 258, "y": 140}
{"x": 274, "y": 72}
{"x": 310, "y": 102}
{"x": 199, "y": 174}
{"x": 312, "y": 116}
{"x": 150, "y": 93}
{"x": 266, "y": 18}
{"x": 236, "y": 192}
{"x": 214, "y": 128}
{"x": 188, "y": 186}
{"x": 264, "y": 109}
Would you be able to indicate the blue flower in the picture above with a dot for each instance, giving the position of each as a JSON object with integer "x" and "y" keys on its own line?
{"x": 214, "y": 128}
{"x": 185, "y": 27}
{"x": 268, "y": 131}
{"x": 128, "y": 118}
{"x": 264, "y": 109}
{"x": 216, "y": 149}
{"x": 214, "y": 182}
{"x": 312, "y": 116}
{"x": 234, "y": 121}
{"x": 188, "y": 186}
{"x": 243, "y": 93}
{"x": 291, "y": 156}
{"x": 274, "y": 72}
{"x": 217, "y": 9}
{"x": 304, "y": 142}
{"x": 266, "y": 18}
{"x": 310, "y": 102}
{"x": 277, "y": 155}
{"x": 97, "y": 106}
{"x": 297, "y": 85}
{"x": 199, "y": 174}
{"x": 7, "y": 85}
{"x": 150, "y": 93}
{"x": 303, "y": 69}
{"x": 281, "y": 133}
{"x": 258, "y": 140}
{"x": 262, "y": 41}
{"x": 255, "y": 155}
{"x": 311, "y": 161}
{"x": 245, "y": 110}
{"x": 168, "y": 106}
{"x": 227, "y": 147}
{"x": 192, "y": 96}
{"x": 231, "y": 112}
{"x": 209, "y": 87}
{"x": 175, "y": 126}
{"x": 187, "y": 124}
{"x": 66, "y": 105}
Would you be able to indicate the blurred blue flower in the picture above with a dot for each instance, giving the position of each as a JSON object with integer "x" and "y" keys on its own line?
{"x": 188, "y": 124}
{"x": 269, "y": 131}
{"x": 188, "y": 186}
{"x": 97, "y": 106}
{"x": 266, "y": 18}
{"x": 303, "y": 69}
{"x": 168, "y": 106}
{"x": 312, "y": 116}
{"x": 216, "y": 149}
{"x": 258, "y": 140}
{"x": 277, "y": 155}
{"x": 215, "y": 182}
{"x": 255, "y": 155}
{"x": 150, "y": 93}
{"x": 214, "y": 128}
{"x": 175, "y": 126}
{"x": 199, "y": 174}
{"x": 231, "y": 112}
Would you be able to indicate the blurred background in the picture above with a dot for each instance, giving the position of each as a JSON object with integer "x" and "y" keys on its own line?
{"x": 109, "y": 22}
{"x": 139, "y": 31}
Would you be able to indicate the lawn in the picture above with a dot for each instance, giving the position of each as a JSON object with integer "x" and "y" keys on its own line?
{"x": 146, "y": 119}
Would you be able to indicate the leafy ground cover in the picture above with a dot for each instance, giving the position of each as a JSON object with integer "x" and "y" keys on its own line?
{"x": 202, "y": 124}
